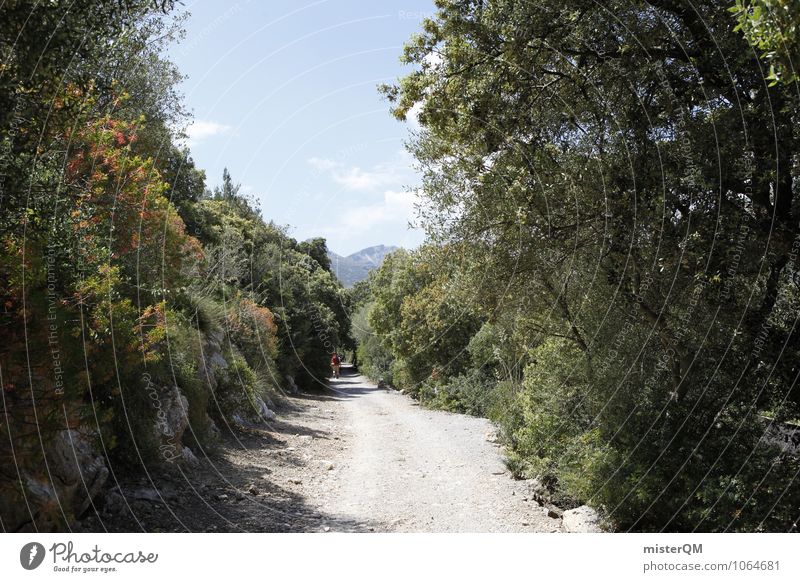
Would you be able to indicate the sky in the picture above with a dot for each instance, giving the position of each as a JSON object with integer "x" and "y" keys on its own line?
{"x": 284, "y": 94}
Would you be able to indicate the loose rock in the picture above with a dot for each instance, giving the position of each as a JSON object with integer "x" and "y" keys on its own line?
{"x": 555, "y": 512}
{"x": 582, "y": 519}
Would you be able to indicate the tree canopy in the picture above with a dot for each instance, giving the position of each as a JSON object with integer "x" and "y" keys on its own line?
{"x": 616, "y": 183}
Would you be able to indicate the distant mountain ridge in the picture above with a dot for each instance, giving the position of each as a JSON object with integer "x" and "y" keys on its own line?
{"x": 356, "y": 267}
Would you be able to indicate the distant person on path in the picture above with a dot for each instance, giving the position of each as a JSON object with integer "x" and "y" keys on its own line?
{"x": 335, "y": 363}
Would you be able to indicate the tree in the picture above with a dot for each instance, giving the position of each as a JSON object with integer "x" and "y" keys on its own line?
{"x": 611, "y": 170}
{"x": 317, "y": 249}
{"x": 773, "y": 27}
{"x": 419, "y": 324}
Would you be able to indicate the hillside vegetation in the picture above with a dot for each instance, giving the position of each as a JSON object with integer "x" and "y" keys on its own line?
{"x": 612, "y": 267}
{"x": 142, "y": 313}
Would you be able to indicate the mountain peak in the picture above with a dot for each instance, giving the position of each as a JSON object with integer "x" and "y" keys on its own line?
{"x": 356, "y": 267}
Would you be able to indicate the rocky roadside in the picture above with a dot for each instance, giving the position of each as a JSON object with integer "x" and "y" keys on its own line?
{"x": 259, "y": 480}
{"x": 321, "y": 466}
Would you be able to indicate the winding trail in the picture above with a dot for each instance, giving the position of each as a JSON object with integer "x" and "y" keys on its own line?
{"x": 410, "y": 469}
{"x": 354, "y": 458}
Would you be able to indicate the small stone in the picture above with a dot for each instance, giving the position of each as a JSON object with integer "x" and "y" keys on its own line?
{"x": 327, "y": 529}
{"x": 146, "y": 495}
{"x": 264, "y": 412}
{"x": 253, "y": 490}
{"x": 113, "y": 502}
{"x": 582, "y": 519}
{"x": 555, "y": 512}
{"x": 222, "y": 497}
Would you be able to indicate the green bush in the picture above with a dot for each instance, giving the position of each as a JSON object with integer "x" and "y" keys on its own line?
{"x": 504, "y": 409}
{"x": 208, "y": 314}
{"x": 468, "y": 393}
{"x": 374, "y": 360}
{"x": 237, "y": 388}
{"x": 555, "y": 430}
{"x": 184, "y": 365}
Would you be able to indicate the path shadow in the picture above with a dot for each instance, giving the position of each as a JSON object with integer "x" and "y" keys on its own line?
{"x": 344, "y": 392}
{"x": 236, "y": 489}
{"x": 350, "y": 384}
{"x": 218, "y": 498}
{"x": 242, "y": 487}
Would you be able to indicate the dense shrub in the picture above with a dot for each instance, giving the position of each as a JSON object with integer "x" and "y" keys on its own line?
{"x": 633, "y": 251}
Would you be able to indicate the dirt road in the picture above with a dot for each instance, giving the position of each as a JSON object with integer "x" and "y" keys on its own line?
{"x": 356, "y": 458}
{"x": 411, "y": 469}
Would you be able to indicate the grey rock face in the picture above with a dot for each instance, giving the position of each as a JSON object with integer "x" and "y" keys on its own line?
{"x": 172, "y": 419}
{"x": 263, "y": 410}
{"x": 63, "y": 490}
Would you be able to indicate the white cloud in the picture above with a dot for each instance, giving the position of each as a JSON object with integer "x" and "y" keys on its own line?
{"x": 378, "y": 209}
{"x": 396, "y": 208}
{"x": 357, "y": 179}
{"x": 323, "y": 164}
{"x": 354, "y": 178}
{"x": 200, "y": 130}
{"x": 433, "y": 60}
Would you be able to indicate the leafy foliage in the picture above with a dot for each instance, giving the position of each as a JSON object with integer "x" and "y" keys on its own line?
{"x": 618, "y": 220}
{"x": 125, "y": 284}
{"x": 773, "y": 27}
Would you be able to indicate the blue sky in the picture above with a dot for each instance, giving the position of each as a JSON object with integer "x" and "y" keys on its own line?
{"x": 284, "y": 95}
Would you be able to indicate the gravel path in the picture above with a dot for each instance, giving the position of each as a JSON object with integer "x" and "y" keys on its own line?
{"x": 355, "y": 458}
{"x": 416, "y": 470}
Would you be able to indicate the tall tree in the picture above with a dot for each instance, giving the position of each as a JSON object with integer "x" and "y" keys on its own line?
{"x": 626, "y": 171}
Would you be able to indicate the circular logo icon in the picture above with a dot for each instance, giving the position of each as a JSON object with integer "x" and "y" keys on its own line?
{"x": 31, "y": 555}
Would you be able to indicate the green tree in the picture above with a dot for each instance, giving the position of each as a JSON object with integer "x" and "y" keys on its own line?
{"x": 773, "y": 27}
{"x": 625, "y": 176}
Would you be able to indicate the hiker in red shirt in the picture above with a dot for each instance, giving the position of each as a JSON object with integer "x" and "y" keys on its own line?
{"x": 335, "y": 363}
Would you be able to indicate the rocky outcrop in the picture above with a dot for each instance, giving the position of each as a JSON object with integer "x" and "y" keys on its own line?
{"x": 254, "y": 415}
{"x": 785, "y": 436}
{"x": 72, "y": 475}
{"x": 51, "y": 487}
{"x": 211, "y": 360}
{"x": 291, "y": 385}
{"x": 264, "y": 411}
{"x": 189, "y": 457}
{"x": 172, "y": 419}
